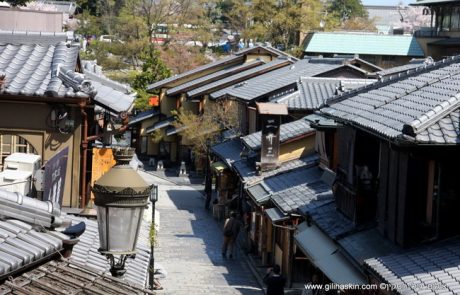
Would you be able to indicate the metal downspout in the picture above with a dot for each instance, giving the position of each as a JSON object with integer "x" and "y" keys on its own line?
{"x": 84, "y": 151}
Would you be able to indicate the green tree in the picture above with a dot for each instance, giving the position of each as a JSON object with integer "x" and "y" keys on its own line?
{"x": 153, "y": 70}
{"x": 346, "y": 9}
{"x": 281, "y": 22}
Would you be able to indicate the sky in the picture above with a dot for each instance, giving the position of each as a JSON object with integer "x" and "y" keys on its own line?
{"x": 385, "y": 2}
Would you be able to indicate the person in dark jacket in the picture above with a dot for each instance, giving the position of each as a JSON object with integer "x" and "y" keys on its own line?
{"x": 275, "y": 281}
{"x": 232, "y": 227}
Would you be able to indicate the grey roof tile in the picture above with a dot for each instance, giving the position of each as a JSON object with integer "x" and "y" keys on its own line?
{"x": 313, "y": 92}
{"x": 228, "y": 151}
{"x": 328, "y": 218}
{"x": 215, "y": 88}
{"x": 413, "y": 64}
{"x": 432, "y": 265}
{"x": 23, "y": 246}
{"x": 109, "y": 94}
{"x": 288, "y": 131}
{"x": 19, "y": 38}
{"x": 367, "y": 244}
{"x": 409, "y": 106}
{"x": 275, "y": 80}
{"x": 259, "y": 193}
{"x": 227, "y": 60}
{"x": 293, "y": 189}
{"x": 42, "y": 69}
{"x": 219, "y": 75}
{"x": 247, "y": 171}
{"x": 70, "y": 277}
{"x": 259, "y": 48}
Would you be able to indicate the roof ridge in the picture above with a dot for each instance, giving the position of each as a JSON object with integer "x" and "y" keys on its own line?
{"x": 390, "y": 80}
{"x": 108, "y": 82}
{"x": 432, "y": 116}
{"x": 75, "y": 80}
{"x": 221, "y": 74}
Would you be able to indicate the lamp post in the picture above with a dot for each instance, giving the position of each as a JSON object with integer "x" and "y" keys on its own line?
{"x": 153, "y": 200}
{"x": 121, "y": 195}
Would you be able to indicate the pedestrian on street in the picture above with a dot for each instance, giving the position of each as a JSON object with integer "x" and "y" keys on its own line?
{"x": 275, "y": 281}
{"x": 232, "y": 227}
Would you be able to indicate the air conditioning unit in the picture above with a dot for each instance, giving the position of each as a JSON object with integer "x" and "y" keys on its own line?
{"x": 18, "y": 171}
{"x": 16, "y": 181}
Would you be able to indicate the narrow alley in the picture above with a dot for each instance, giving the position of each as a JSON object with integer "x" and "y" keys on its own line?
{"x": 189, "y": 242}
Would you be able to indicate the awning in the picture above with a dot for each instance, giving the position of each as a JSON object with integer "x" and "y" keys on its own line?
{"x": 171, "y": 130}
{"x": 143, "y": 116}
{"x": 276, "y": 215}
{"x": 325, "y": 254}
{"x": 160, "y": 124}
{"x": 218, "y": 166}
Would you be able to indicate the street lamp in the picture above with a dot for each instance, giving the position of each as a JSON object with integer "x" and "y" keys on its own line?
{"x": 153, "y": 200}
{"x": 121, "y": 195}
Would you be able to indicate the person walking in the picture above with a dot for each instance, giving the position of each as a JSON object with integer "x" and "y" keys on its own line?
{"x": 232, "y": 227}
{"x": 275, "y": 281}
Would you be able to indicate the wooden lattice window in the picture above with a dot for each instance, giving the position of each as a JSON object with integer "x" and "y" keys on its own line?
{"x": 10, "y": 143}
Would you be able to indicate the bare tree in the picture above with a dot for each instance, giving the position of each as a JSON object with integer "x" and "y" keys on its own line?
{"x": 200, "y": 130}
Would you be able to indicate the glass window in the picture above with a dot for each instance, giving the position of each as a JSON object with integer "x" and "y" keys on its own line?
{"x": 455, "y": 19}
{"x": 10, "y": 143}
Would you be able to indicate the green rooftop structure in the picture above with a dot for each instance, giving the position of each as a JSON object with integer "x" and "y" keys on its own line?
{"x": 362, "y": 44}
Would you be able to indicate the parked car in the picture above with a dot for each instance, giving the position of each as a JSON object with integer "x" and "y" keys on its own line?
{"x": 109, "y": 38}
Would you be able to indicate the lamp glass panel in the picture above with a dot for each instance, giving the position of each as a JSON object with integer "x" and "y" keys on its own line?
{"x": 102, "y": 226}
{"x": 123, "y": 227}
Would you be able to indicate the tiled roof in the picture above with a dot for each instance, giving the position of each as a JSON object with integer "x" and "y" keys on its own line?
{"x": 276, "y": 80}
{"x": 259, "y": 193}
{"x": 68, "y": 277}
{"x": 248, "y": 173}
{"x": 42, "y": 70}
{"x": 22, "y": 245}
{"x": 143, "y": 116}
{"x": 32, "y": 38}
{"x": 228, "y": 60}
{"x": 314, "y": 92}
{"x": 288, "y": 131}
{"x": 429, "y": 269}
{"x": 226, "y": 82}
{"x": 86, "y": 252}
{"x": 414, "y": 63}
{"x": 421, "y": 106}
{"x": 219, "y": 75}
{"x": 109, "y": 94}
{"x": 446, "y": 130}
{"x": 258, "y": 48}
{"x": 276, "y": 215}
{"x": 363, "y": 43}
{"x": 228, "y": 151}
{"x": 328, "y": 219}
{"x": 367, "y": 244}
{"x": 296, "y": 188}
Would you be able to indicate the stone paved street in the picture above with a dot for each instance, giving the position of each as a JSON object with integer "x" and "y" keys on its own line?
{"x": 189, "y": 247}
